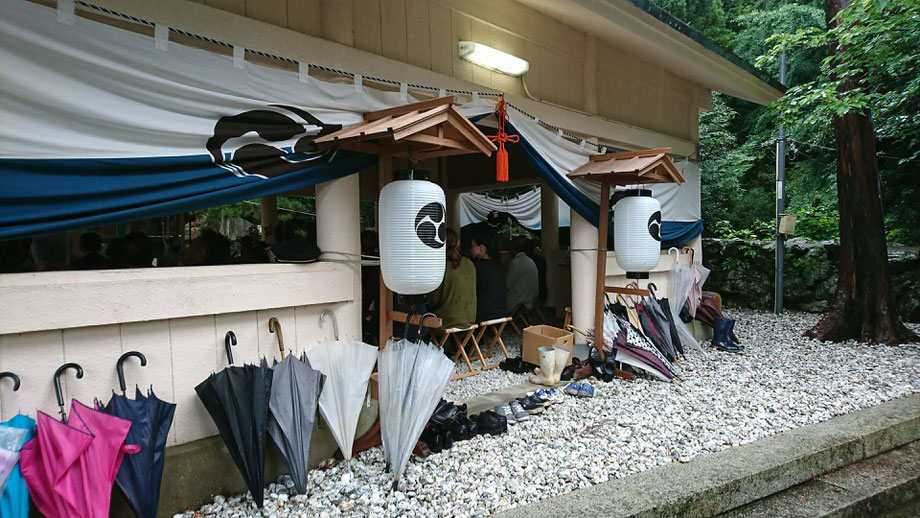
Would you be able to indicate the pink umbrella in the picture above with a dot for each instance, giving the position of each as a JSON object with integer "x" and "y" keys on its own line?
{"x": 70, "y": 465}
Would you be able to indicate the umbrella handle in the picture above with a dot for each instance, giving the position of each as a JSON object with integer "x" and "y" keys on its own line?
{"x": 335, "y": 322}
{"x": 229, "y": 339}
{"x": 651, "y": 287}
{"x": 275, "y": 327}
{"x": 421, "y": 319}
{"x": 688, "y": 250}
{"x": 13, "y": 377}
{"x": 119, "y": 366}
{"x": 57, "y": 384}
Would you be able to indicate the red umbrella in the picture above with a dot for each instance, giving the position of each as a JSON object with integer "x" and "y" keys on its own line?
{"x": 70, "y": 465}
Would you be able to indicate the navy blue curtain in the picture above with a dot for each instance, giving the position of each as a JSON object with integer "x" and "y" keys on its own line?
{"x": 43, "y": 196}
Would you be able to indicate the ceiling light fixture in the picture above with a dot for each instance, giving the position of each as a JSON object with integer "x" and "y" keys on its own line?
{"x": 493, "y": 59}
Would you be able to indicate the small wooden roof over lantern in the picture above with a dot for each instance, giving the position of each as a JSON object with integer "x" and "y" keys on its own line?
{"x": 423, "y": 130}
{"x": 629, "y": 168}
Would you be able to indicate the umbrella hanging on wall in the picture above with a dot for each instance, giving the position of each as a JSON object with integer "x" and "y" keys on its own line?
{"x": 140, "y": 475}
{"x": 70, "y": 465}
{"x": 237, "y": 398}
{"x": 347, "y": 365}
{"x": 14, "y": 496}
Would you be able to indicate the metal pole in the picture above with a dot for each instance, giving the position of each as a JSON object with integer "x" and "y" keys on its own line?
{"x": 780, "y": 198}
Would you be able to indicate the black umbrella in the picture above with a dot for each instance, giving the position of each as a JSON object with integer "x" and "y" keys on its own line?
{"x": 140, "y": 475}
{"x": 237, "y": 398}
{"x": 668, "y": 318}
{"x": 296, "y": 387}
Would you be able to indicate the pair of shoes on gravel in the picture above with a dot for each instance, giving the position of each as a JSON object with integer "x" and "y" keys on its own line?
{"x": 452, "y": 418}
{"x": 513, "y": 414}
{"x": 580, "y": 389}
{"x": 490, "y": 422}
{"x": 437, "y": 438}
{"x": 547, "y": 396}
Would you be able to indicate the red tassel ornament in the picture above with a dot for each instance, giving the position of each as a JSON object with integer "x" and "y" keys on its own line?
{"x": 501, "y": 157}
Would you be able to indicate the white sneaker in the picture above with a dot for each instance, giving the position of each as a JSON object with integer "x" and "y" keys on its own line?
{"x": 519, "y": 413}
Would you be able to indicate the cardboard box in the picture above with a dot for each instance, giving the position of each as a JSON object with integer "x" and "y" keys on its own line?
{"x": 545, "y": 336}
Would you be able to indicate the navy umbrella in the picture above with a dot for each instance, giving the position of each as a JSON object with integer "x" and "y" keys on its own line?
{"x": 237, "y": 398}
{"x": 140, "y": 475}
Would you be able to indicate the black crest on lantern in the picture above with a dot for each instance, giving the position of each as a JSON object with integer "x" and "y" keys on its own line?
{"x": 654, "y": 225}
{"x": 430, "y": 226}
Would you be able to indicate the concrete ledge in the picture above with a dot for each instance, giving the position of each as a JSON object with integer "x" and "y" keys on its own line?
{"x": 718, "y": 482}
{"x": 876, "y": 486}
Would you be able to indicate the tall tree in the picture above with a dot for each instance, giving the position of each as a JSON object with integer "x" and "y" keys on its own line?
{"x": 863, "y": 307}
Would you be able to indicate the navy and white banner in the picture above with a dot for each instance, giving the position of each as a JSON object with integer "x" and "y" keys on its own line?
{"x": 101, "y": 125}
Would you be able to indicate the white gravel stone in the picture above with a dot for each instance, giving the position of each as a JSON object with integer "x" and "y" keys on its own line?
{"x": 782, "y": 381}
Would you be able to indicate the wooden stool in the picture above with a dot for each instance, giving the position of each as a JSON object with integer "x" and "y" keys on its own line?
{"x": 497, "y": 325}
{"x": 462, "y": 336}
{"x": 519, "y": 313}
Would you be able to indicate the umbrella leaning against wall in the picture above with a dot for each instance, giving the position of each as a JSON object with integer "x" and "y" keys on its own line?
{"x": 70, "y": 465}
{"x": 679, "y": 284}
{"x": 347, "y": 365}
{"x": 14, "y": 501}
{"x": 237, "y": 398}
{"x": 413, "y": 376}
{"x": 296, "y": 389}
{"x": 141, "y": 475}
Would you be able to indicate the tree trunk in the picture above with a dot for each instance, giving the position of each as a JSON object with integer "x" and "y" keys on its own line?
{"x": 863, "y": 308}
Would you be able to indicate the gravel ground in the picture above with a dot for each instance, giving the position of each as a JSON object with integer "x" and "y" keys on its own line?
{"x": 782, "y": 381}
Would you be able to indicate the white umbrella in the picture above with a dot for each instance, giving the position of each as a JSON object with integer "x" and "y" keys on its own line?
{"x": 347, "y": 365}
{"x": 679, "y": 284}
{"x": 413, "y": 376}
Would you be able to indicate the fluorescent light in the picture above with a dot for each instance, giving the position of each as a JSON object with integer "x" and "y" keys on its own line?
{"x": 493, "y": 59}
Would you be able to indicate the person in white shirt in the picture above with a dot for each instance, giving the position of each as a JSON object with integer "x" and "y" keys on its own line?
{"x": 522, "y": 280}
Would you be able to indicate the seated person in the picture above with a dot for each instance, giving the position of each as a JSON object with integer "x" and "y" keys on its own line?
{"x": 490, "y": 282}
{"x": 209, "y": 248}
{"x": 523, "y": 279}
{"x": 455, "y": 299}
{"x": 90, "y": 247}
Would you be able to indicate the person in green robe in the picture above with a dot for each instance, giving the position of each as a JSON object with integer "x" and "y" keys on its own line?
{"x": 455, "y": 299}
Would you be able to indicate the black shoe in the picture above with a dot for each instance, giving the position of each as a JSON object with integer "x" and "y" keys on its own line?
{"x": 432, "y": 436}
{"x": 447, "y": 440}
{"x": 446, "y": 412}
{"x": 491, "y": 423}
{"x": 531, "y": 405}
{"x": 597, "y": 364}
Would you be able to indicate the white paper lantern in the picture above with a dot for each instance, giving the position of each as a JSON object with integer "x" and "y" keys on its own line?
{"x": 637, "y": 232}
{"x": 412, "y": 236}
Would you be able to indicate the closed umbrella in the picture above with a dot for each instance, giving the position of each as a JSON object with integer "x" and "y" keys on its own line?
{"x": 679, "y": 283}
{"x": 70, "y": 465}
{"x": 140, "y": 475}
{"x": 666, "y": 318}
{"x": 237, "y": 398}
{"x": 347, "y": 365}
{"x": 14, "y": 502}
{"x": 413, "y": 376}
{"x": 638, "y": 345}
{"x": 296, "y": 389}
{"x": 653, "y": 330}
{"x": 14, "y": 496}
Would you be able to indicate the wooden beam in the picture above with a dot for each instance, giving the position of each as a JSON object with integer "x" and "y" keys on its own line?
{"x": 627, "y": 291}
{"x": 419, "y": 126}
{"x": 472, "y": 133}
{"x": 430, "y": 322}
{"x": 385, "y": 300}
{"x": 441, "y": 141}
{"x": 604, "y": 213}
{"x": 421, "y": 106}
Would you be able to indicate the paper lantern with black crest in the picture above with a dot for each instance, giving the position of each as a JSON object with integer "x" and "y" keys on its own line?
{"x": 413, "y": 229}
{"x": 637, "y": 232}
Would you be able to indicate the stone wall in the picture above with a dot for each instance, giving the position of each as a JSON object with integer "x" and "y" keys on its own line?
{"x": 742, "y": 272}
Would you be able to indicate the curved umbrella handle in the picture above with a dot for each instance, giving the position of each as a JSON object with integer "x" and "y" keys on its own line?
{"x": 119, "y": 366}
{"x": 13, "y": 377}
{"x": 57, "y": 384}
{"x": 229, "y": 339}
{"x": 688, "y": 250}
{"x": 651, "y": 287}
{"x": 275, "y": 327}
{"x": 676, "y": 253}
{"x": 335, "y": 322}
{"x": 421, "y": 320}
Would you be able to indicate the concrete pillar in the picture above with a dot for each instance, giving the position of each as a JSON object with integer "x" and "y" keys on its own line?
{"x": 453, "y": 210}
{"x": 549, "y": 220}
{"x": 584, "y": 272}
{"x": 590, "y": 74}
{"x": 269, "y": 218}
{"x": 338, "y": 229}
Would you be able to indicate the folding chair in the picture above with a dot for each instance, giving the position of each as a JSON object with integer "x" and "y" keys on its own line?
{"x": 497, "y": 325}
{"x": 462, "y": 336}
{"x": 521, "y": 313}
